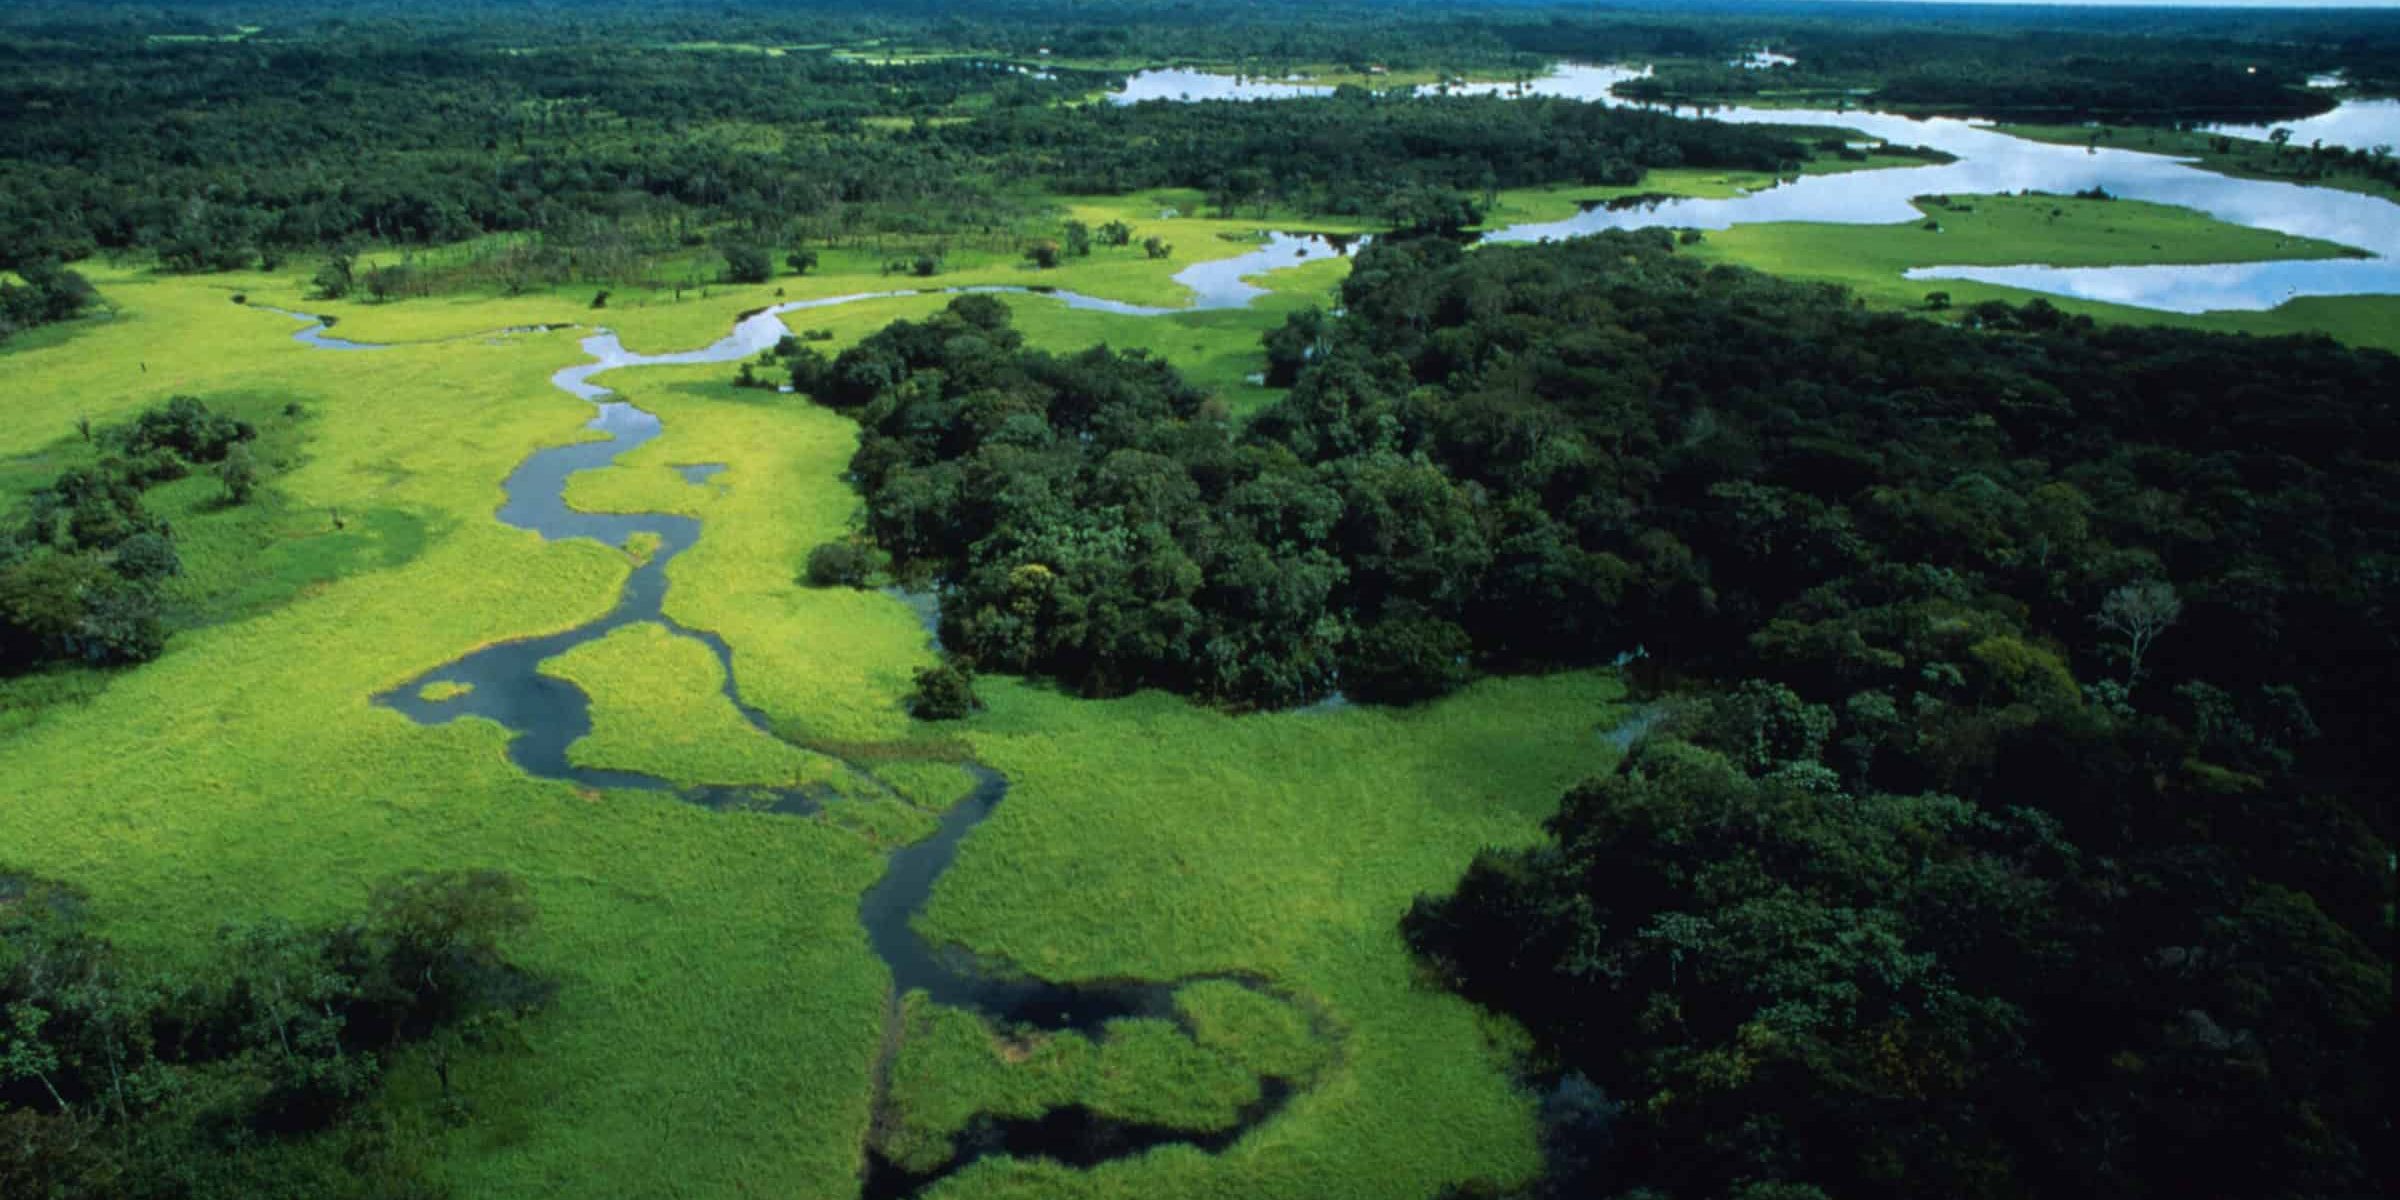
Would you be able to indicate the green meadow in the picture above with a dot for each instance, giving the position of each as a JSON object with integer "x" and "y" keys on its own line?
{"x": 721, "y": 1018}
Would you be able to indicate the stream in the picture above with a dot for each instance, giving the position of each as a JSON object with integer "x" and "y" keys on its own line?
{"x": 545, "y": 716}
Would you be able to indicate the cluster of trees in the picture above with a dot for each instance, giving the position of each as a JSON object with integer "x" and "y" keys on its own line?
{"x": 2023, "y": 827}
{"x": 1355, "y": 153}
{"x": 50, "y": 293}
{"x": 1518, "y": 458}
{"x": 121, "y": 1079}
{"x": 83, "y": 565}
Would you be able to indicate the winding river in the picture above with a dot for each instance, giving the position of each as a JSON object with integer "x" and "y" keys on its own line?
{"x": 545, "y": 715}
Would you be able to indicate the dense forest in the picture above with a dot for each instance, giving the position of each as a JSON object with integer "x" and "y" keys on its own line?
{"x": 133, "y": 130}
{"x": 126, "y": 1079}
{"x": 2014, "y": 822}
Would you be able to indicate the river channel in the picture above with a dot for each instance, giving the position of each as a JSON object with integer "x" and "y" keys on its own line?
{"x": 1986, "y": 160}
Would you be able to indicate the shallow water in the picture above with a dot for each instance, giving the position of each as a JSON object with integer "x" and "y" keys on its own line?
{"x": 1991, "y": 161}
{"x": 2352, "y": 125}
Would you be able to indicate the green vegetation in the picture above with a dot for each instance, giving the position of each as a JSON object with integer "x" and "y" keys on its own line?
{"x": 2007, "y": 601}
{"x": 659, "y": 708}
{"x": 120, "y": 1078}
{"x": 1999, "y": 816}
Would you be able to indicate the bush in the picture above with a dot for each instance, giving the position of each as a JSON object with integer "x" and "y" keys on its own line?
{"x": 944, "y": 693}
{"x": 747, "y": 264}
{"x": 1401, "y": 660}
{"x": 148, "y": 555}
{"x": 845, "y": 563}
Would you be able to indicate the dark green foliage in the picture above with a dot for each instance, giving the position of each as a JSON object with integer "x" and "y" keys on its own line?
{"x": 82, "y": 562}
{"x": 801, "y": 261}
{"x": 1078, "y": 240}
{"x": 745, "y": 263}
{"x": 239, "y": 473}
{"x": 184, "y": 426}
{"x": 51, "y": 293}
{"x": 118, "y": 1079}
{"x": 1404, "y": 658}
{"x": 1935, "y": 903}
{"x": 1416, "y": 163}
{"x": 943, "y": 693}
{"x": 1291, "y": 344}
{"x": 148, "y": 556}
{"x": 846, "y": 563}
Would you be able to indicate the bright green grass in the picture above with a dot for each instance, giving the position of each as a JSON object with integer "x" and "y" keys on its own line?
{"x": 1148, "y": 838}
{"x": 929, "y": 785}
{"x": 437, "y": 692}
{"x": 953, "y": 1066}
{"x": 719, "y": 1011}
{"x": 1262, "y": 1033}
{"x": 659, "y": 708}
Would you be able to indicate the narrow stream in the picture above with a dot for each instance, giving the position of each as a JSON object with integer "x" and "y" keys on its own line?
{"x": 545, "y": 715}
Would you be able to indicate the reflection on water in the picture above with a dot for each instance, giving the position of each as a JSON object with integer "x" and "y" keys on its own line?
{"x": 1176, "y": 83}
{"x": 2352, "y": 125}
{"x": 1990, "y": 161}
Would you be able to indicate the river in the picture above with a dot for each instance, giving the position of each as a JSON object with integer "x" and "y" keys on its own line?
{"x": 1987, "y": 160}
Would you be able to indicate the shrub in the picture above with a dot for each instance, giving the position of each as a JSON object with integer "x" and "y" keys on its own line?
{"x": 944, "y": 693}
{"x": 845, "y": 563}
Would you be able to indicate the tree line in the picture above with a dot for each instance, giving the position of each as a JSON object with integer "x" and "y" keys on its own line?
{"x": 253, "y": 1071}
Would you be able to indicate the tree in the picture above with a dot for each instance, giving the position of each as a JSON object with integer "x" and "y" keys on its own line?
{"x": 1116, "y": 233}
{"x": 1079, "y": 240}
{"x": 745, "y": 263}
{"x": 339, "y": 274}
{"x": 801, "y": 261}
{"x": 2139, "y": 612}
{"x": 1043, "y": 253}
{"x": 846, "y": 563}
{"x": 1937, "y": 301}
{"x": 943, "y": 693}
{"x": 1157, "y": 247}
{"x": 239, "y": 473}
